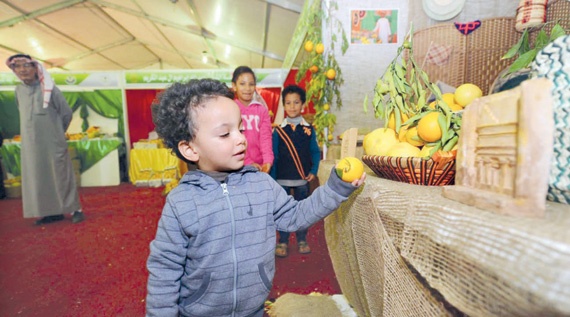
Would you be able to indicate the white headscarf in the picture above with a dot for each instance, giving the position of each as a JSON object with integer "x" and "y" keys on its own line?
{"x": 46, "y": 82}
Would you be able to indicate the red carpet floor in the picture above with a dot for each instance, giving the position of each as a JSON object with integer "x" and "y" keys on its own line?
{"x": 97, "y": 268}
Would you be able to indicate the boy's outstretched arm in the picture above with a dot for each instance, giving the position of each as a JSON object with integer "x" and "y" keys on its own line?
{"x": 291, "y": 215}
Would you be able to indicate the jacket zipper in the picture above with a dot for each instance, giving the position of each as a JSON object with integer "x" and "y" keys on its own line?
{"x": 227, "y": 194}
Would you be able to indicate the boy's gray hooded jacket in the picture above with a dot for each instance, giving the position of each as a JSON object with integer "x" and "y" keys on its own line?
{"x": 213, "y": 254}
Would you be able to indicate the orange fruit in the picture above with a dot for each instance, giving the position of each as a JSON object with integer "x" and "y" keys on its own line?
{"x": 326, "y": 107}
{"x": 410, "y": 137}
{"x": 314, "y": 69}
{"x": 330, "y": 137}
{"x": 392, "y": 120}
{"x": 331, "y": 74}
{"x": 428, "y": 127}
{"x": 320, "y": 48}
{"x": 466, "y": 93}
{"x": 309, "y": 46}
{"x": 349, "y": 169}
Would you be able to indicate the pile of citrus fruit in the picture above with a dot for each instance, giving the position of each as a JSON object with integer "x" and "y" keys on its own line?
{"x": 414, "y": 125}
{"x": 421, "y": 134}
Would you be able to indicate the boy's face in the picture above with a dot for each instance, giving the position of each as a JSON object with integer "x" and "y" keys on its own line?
{"x": 244, "y": 88}
{"x": 219, "y": 144}
{"x": 293, "y": 105}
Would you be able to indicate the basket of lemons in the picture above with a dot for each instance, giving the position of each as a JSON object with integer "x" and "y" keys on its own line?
{"x": 419, "y": 140}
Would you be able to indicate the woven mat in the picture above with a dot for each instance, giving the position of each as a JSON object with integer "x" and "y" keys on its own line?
{"x": 479, "y": 262}
{"x": 313, "y": 305}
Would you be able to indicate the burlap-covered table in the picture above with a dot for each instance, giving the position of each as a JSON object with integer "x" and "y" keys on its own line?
{"x": 482, "y": 263}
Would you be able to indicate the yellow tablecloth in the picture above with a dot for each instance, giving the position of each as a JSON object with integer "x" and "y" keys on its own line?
{"x": 153, "y": 163}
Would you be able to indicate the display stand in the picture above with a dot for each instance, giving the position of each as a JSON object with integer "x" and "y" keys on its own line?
{"x": 404, "y": 250}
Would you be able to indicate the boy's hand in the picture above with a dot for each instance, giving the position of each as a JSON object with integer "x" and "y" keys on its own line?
{"x": 359, "y": 181}
{"x": 310, "y": 177}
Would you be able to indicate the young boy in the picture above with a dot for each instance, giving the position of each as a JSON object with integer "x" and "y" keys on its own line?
{"x": 297, "y": 157}
{"x": 213, "y": 254}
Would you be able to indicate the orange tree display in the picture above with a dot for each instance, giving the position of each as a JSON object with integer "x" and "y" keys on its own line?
{"x": 325, "y": 79}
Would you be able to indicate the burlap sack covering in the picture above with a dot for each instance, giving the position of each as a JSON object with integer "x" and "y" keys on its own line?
{"x": 295, "y": 305}
{"x": 404, "y": 250}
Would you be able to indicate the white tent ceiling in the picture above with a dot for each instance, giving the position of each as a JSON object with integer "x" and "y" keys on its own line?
{"x": 148, "y": 34}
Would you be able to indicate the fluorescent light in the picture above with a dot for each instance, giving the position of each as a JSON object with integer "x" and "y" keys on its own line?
{"x": 228, "y": 51}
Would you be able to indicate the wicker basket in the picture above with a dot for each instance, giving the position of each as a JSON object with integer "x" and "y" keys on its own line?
{"x": 437, "y": 171}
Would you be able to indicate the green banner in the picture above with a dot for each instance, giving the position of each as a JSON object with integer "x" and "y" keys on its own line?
{"x": 265, "y": 77}
{"x": 62, "y": 79}
{"x": 8, "y": 79}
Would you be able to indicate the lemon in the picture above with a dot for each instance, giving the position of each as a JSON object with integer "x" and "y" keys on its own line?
{"x": 428, "y": 127}
{"x": 392, "y": 120}
{"x": 424, "y": 152}
{"x": 320, "y": 48}
{"x": 412, "y": 137}
{"x": 331, "y": 74}
{"x": 379, "y": 141}
{"x": 402, "y": 133}
{"x": 330, "y": 137}
{"x": 466, "y": 93}
{"x": 326, "y": 107}
{"x": 309, "y": 46}
{"x": 349, "y": 169}
{"x": 403, "y": 149}
{"x": 455, "y": 107}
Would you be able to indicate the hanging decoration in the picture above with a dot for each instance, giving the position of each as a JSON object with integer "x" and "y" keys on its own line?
{"x": 325, "y": 78}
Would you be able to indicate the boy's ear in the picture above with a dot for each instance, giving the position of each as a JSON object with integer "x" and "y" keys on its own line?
{"x": 187, "y": 150}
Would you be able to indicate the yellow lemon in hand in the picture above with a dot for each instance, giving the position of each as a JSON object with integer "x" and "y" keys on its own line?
{"x": 349, "y": 169}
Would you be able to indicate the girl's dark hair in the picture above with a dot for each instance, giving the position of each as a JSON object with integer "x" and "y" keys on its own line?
{"x": 242, "y": 70}
{"x": 174, "y": 111}
{"x": 294, "y": 89}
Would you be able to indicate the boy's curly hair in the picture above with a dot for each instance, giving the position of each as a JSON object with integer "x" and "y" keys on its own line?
{"x": 174, "y": 111}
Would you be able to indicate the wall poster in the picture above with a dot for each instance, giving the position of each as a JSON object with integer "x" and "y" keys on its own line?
{"x": 374, "y": 26}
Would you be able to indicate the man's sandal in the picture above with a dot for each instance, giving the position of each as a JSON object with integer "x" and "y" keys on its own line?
{"x": 281, "y": 250}
{"x": 304, "y": 247}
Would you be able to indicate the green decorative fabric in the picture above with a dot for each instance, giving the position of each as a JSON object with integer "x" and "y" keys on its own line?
{"x": 9, "y": 115}
{"x": 106, "y": 102}
{"x": 11, "y": 158}
{"x": 92, "y": 151}
{"x": 89, "y": 152}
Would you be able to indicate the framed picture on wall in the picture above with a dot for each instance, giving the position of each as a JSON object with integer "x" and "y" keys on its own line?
{"x": 378, "y": 26}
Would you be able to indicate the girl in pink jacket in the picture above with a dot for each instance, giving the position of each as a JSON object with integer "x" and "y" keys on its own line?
{"x": 256, "y": 119}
